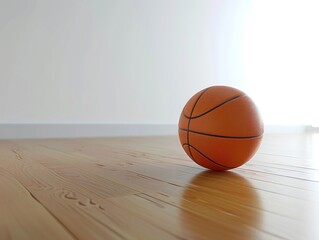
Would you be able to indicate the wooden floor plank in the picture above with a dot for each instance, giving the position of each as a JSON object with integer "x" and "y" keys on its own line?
{"x": 147, "y": 188}
{"x": 83, "y": 212}
{"x": 22, "y": 216}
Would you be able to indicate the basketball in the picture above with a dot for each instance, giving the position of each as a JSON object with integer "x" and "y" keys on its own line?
{"x": 220, "y": 128}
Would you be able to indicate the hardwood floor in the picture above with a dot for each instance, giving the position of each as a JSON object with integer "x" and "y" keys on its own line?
{"x": 147, "y": 188}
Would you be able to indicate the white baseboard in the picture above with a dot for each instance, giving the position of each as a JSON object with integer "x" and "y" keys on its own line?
{"x": 270, "y": 129}
{"x": 30, "y": 131}
{"x": 312, "y": 129}
{"x": 25, "y": 131}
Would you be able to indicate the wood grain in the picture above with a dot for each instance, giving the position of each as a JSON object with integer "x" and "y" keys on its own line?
{"x": 22, "y": 217}
{"x": 147, "y": 188}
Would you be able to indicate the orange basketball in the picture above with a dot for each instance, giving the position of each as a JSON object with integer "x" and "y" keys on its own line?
{"x": 220, "y": 128}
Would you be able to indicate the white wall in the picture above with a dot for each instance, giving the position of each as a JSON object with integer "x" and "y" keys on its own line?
{"x": 89, "y": 65}
{"x": 111, "y": 61}
{"x": 281, "y": 58}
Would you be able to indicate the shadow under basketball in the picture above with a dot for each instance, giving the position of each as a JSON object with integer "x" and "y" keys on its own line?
{"x": 220, "y": 205}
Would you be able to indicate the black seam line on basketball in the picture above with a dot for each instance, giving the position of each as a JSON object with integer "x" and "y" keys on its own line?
{"x": 190, "y": 152}
{"x": 183, "y": 112}
{"x": 221, "y": 165}
{"x": 219, "y": 136}
{"x": 192, "y": 157}
{"x": 210, "y": 110}
{"x": 189, "y": 120}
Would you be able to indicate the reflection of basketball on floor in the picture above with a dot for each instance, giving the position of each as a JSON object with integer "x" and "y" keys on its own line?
{"x": 220, "y": 206}
{"x": 220, "y": 128}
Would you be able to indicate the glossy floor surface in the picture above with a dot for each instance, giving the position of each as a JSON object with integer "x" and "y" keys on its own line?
{"x": 147, "y": 188}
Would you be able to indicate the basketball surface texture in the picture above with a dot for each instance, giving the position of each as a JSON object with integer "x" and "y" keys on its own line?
{"x": 220, "y": 128}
